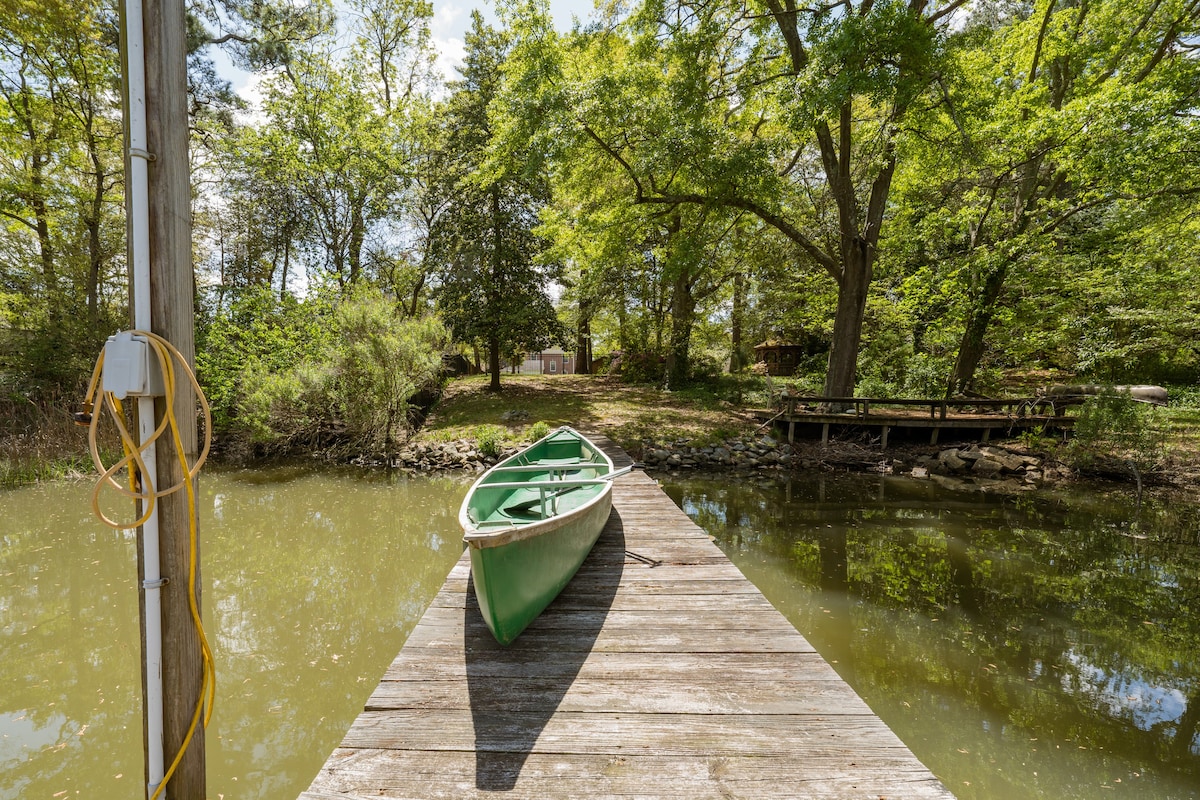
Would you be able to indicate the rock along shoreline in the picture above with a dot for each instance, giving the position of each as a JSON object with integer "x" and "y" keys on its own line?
{"x": 989, "y": 467}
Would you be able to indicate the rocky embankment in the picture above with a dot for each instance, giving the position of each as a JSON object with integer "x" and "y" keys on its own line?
{"x": 460, "y": 454}
{"x": 984, "y": 467}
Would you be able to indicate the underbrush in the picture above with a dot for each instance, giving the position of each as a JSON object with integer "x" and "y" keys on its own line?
{"x": 39, "y": 444}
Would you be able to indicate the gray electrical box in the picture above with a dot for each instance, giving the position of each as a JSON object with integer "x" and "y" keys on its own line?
{"x": 131, "y": 368}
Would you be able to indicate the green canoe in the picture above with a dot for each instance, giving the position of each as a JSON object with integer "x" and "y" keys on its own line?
{"x": 530, "y": 521}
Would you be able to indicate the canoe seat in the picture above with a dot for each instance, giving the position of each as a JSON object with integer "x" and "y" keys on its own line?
{"x": 562, "y": 462}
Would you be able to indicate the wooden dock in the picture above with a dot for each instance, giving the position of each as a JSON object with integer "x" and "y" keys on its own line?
{"x": 660, "y": 672}
{"x": 803, "y": 416}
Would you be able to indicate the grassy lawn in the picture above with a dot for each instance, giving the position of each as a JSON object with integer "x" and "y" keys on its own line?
{"x": 626, "y": 414}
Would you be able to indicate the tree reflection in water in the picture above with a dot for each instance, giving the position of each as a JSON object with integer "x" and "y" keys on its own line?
{"x": 1029, "y": 646}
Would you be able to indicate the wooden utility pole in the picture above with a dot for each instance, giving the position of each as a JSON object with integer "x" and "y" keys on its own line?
{"x": 172, "y": 315}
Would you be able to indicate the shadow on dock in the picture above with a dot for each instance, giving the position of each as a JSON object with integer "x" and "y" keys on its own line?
{"x": 515, "y": 690}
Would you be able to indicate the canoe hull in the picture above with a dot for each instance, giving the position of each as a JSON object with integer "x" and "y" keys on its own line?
{"x": 530, "y": 522}
{"x": 516, "y": 581}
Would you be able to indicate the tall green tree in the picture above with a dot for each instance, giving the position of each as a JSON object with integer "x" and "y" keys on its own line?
{"x": 1054, "y": 115}
{"x": 60, "y": 181}
{"x": 787, "y": 113}
{"x": 493, "y": 286}
{"x": 335, "y": 150}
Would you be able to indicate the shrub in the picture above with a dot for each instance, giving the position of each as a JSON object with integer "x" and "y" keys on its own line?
{"x": 489, "y": 440}
{"x": 537, "y": 430}
{"x": 642, "y": 367}
{"x": 285, "y": 374}
{"x": 1114, "y": 426}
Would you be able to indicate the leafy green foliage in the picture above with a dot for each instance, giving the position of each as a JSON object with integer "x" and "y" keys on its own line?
{"x": 489, "y": 439}
{"x": 382, "y": 361}
{"x": 1114, "y": 426}
{"x": 493, "y": 284}
{"x": 924, "y": 196}
{"x": 61, "y": 265}
{"x": 285, "y": 373}
{"x": 538, "y": 430}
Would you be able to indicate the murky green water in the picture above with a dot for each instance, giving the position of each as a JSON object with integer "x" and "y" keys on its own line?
{"x": 1037, "y": 647}
{"x": 312, "y": 582}
{"x": 1031, "y": 647}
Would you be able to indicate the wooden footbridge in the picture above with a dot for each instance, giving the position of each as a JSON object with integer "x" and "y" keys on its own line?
{"x": 982, "y": 417}
{"x": 660, "y": 672}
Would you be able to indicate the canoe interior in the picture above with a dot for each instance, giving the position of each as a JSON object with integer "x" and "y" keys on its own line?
{"x": 561, "y": 456}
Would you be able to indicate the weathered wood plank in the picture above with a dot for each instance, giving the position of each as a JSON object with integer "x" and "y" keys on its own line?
{"x": 449, "y": 663}
{"x": 636, "y": 573}
{"x": 829, "y": 697}
{"x": 362, "y": 773}
{"x": 660, "y": 672}
{"x": 609, "y": 640}
{"x": 621, "y": 733}
{"x": 633, "y": 588}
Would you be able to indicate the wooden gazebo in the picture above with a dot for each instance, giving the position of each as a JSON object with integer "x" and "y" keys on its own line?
{"x": 781, "y": 358}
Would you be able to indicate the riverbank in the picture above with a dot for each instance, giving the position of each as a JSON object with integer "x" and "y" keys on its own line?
{"x": 682, "y": 431}
{"x": 469, "y": 428}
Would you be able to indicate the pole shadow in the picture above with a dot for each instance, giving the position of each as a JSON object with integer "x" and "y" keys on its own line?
{"x": 515, "y": 690}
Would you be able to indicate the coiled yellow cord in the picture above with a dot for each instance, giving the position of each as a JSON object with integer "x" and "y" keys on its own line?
{"x": 167, "y": 356}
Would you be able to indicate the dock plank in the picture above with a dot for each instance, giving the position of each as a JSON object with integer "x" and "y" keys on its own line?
{"x": 660, "y": 672}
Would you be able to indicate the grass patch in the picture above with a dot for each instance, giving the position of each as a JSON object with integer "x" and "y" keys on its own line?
{"x": 626, "y": 414}
{"x": 45, "y": 444}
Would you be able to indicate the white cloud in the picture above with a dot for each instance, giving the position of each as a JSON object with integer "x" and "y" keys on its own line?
{"x": 451, "y": 52}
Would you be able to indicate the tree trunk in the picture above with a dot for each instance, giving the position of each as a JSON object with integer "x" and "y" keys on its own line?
{"x": 493, "y": 293}
{"x": 737, "y": 358}
{"x": 583, "y": 345}
{"x": 623, "y": 323}
{"x": 494, "y": 362}
{"x": 583, "y": 335}
{"x": 357, "y": 234}
{"x": 36, "y": 198}
{"x": 972, "y": 348}
{"x": 287, "y": 262}
{"x": 93, "y": 224}
{"x": 683, "y": 312}
{"x": 41, "y": 215}
{"x": 848, "y": 323}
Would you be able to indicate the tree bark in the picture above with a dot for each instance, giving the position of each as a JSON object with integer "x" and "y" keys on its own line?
{"x": 972, "y": 347}
{"x": 683, "y": 312}
{"x": 493, "y": 293}
{"x": 737, "y": 358}
{"x": 41, "y": 215}
{"x": 494, "y": 362}
{"x": 583, "y": 341}
{"x": 841, "y": 372}
{"x": 357, "y": 234}
{"x": 93, "y": 224}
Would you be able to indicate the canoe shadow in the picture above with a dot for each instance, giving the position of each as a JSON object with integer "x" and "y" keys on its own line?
{"x": 515, "y": 690}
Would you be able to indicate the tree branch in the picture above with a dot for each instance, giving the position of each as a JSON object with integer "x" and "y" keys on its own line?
{"x": 950, "y": 9}
{"x": 774, "y": 220}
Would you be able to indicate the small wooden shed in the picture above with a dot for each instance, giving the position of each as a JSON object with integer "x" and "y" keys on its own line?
{"x": 781, "y": 358}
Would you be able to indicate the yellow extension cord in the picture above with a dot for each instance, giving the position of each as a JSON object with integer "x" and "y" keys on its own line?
{"x": 167, "y": 356}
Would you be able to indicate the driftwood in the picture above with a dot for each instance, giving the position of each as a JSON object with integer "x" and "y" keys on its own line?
{"x": 1155, "y": 395}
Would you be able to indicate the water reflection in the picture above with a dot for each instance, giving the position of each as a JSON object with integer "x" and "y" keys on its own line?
{"x": 1025, "y": 647}
{"x": 312, "y": 582}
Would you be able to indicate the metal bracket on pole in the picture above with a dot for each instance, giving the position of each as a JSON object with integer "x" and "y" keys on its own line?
{"x": 138, "y": 152}
{"x": 155, "y": 584}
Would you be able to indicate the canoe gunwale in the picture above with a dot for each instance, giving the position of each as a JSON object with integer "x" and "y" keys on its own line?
{"x": 497, "y": 534}
{"x": 497, "y": 537}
